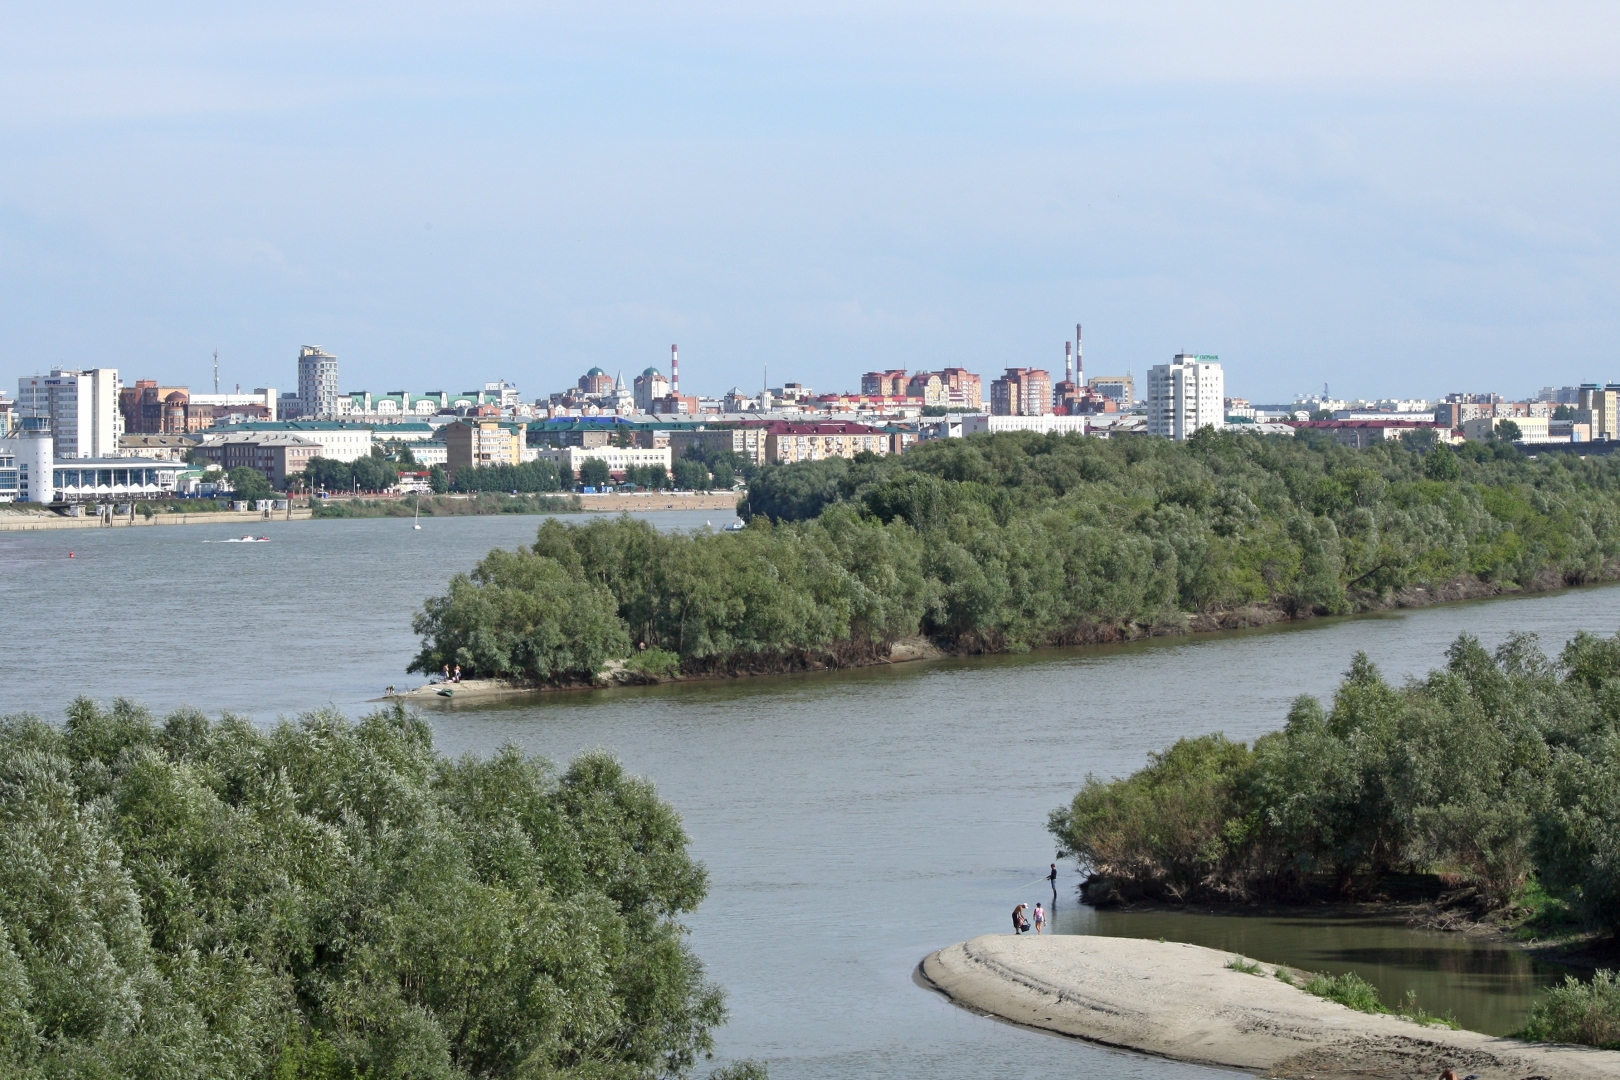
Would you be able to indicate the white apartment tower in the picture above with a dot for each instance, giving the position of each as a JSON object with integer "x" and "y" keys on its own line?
{"x": 82, "y": 407}
{"x": 317, "y": 383}
{"x": 1184, "y": 395}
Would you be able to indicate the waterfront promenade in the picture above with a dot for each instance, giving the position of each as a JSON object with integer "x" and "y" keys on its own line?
{"x": 25, "y": 521}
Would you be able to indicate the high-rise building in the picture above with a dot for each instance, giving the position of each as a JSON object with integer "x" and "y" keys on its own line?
{"x": 891, "y": 383}
{"x": 1598, "y": 406}
{"x": 317, "y": 383}
{"x": 650, "y": 386}
{"x": 962, "y": 388}
{"x": 1186, "y": 394}
{"x": 596, "y": 383}
{"x": 1022, "y": 392}
{"x": 82, "y": 407}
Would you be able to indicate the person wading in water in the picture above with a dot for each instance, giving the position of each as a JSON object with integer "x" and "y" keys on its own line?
{"x": 1020, "y": 924}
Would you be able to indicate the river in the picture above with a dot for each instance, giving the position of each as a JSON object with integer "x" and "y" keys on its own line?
{"x": 850, "y": 822}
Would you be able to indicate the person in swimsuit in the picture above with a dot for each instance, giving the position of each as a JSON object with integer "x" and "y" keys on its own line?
{"x": 1020, "y": 924}
{"x": 1040, "y": 917}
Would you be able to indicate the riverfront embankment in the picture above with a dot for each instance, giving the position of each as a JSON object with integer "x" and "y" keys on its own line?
{"x": 22, "y": 521}
{"x": 1182, "y": 1002}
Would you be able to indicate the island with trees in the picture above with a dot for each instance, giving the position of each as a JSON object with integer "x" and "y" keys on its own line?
{"x": 1490, "y": 786}
{"x": 1016, "y": 541}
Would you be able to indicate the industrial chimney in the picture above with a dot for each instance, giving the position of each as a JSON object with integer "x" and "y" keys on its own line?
{"x": 1068, "y": 361}
{"x": 675, "y": 370}
{"x": 1079, "y": 360}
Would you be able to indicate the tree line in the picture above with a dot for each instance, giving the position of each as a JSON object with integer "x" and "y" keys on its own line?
{"x": 326, "y": 899}
{"x": 1019, "y": 540}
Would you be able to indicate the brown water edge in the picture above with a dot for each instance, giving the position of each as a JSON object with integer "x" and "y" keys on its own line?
{"x": 1096, "y": 638}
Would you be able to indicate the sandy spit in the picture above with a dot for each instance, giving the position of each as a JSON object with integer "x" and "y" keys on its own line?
{"x": 1182, "y": 1002}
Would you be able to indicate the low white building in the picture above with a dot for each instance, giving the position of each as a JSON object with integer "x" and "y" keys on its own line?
{"x": 1047, "y": 424}
{"x": 120, "y": 479}
{"x": 618, "y": 458}
{"x": 338, "y": 441}
{"x": 1532, "y": 429}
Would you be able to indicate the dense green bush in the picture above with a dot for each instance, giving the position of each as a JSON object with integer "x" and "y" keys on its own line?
{"x": 371, "y": 473}
{"x": 1490, "y": 769}
{"x": 519, "y": 612}
{"x": 1578, "y": 1012}
{"x": 527, "y": 478}
{"x": 334, "y": 900}
{"x": 1145, "y": 530}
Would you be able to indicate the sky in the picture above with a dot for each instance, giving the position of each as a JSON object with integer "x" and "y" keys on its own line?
{"x": 1395, "y": 199}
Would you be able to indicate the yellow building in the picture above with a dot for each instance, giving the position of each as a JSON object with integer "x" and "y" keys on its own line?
{"x": 474, "y": 443}
{"x": 788, "y": 442}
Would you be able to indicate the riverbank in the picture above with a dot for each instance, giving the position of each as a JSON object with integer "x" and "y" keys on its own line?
{"x": 463, "y": 505}
{"x": 918, "y": 647}
{"x": 617, "y": 674}
{"x": 22, "y": 521}
{"x": 1182, "y": 1002}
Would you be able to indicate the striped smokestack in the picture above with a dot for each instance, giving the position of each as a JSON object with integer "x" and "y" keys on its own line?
{"x": 1079, "y": 360}
{"x": 1068, "y": 361}
{"x": 675, "y": 370}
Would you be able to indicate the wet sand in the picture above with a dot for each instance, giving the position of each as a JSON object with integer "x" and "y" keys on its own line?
{"x": 1181, "y": 1001}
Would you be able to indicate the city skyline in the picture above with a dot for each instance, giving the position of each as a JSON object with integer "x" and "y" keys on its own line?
{"x": 1399, "y": 202}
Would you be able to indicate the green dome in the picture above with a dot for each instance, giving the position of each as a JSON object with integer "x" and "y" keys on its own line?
{"x": 650, "y": 371}
{"x": 594, "y": 371}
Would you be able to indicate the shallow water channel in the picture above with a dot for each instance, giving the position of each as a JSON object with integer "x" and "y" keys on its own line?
{"x": 851, "y": 823}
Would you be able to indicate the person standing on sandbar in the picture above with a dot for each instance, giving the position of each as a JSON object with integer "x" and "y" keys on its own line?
{"x": 1020, "y": 924}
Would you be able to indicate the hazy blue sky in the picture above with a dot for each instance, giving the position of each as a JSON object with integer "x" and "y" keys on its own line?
{"x": 1396, "y": 198}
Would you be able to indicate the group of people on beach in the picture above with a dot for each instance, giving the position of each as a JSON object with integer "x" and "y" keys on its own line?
{"x": 1021, "y": 921}
{"x": 450, "y": 676}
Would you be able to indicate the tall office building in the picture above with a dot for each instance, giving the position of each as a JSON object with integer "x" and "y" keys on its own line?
{"x": 82, "y": 407}
{"x": 1186, "y": 394}
{"x": 317, "y": 383}
{"x": 1022, "y": 392}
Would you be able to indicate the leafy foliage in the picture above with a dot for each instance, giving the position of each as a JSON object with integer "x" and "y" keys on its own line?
{"x": 249, "y": 483}
{"x": 371, "y": 473}
{"x": 1578, "y": 1012}
{"x": 527, "y": 478}
{"x": 334, "y": 900}
{"x": 1145, "y": 530}
{"x": 521, "y": 613}
{"x": 1490, "y": 769}
{"x": 1349, "y": 990}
